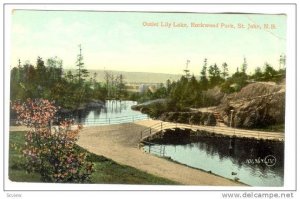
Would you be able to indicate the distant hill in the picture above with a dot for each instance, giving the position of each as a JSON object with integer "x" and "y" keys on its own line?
{"x": 136, "y": 77}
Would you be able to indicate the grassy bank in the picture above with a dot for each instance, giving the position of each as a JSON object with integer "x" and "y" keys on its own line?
{"x": 106, "y": 171}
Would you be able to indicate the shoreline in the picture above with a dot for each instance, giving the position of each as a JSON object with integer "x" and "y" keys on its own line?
{"x": 122, "y": 147}
{"x": 120, "y": 142}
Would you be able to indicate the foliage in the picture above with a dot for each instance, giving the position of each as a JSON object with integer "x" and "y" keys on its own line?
{"x": 244, "y": 66}
{"x": 82, "y": 73}
{"x": 47, "y": 82}
{"x": 188, "y": 92}
{"x": 203, "y": 76}
{"x": 214, "y": 75}
{"x": 115, "y": 86}
{"x": 196, "y": 118}
{"x": 224, "y": 71}
{"x": 156, "y": 109}
{"x": 72, "y": 90}
{"x": 51, "y": 153}
{"x": 268, "y": 74}
{"x": 108, "y": 171}
{"x": 234, "y": 83}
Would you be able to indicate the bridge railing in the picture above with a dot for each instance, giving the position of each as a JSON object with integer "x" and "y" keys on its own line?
{"x": 160, "y": 126}
{"x": 157, "y": 149}
{"x": 99, "y": 121}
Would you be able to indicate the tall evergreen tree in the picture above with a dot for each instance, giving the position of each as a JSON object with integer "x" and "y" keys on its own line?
{"x": 244, "y": 66}
{"x": 282, "y": 61}
{"x": 225, "y": 70}
{"x": 203, "y": 76}
{"x": 214, "y": 75}
{"x": 81, "y": 72}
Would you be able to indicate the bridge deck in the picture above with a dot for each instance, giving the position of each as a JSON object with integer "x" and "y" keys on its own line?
{"x": 155, "y": 126}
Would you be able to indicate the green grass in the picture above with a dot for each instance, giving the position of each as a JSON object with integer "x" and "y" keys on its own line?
{"x": 106, "y": 170}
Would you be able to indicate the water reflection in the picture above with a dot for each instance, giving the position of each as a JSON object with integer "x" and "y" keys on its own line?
{"x": 113, "y": 112}
{"x": 244, "y": 159}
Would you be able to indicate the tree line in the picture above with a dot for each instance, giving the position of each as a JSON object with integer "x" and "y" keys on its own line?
{"x": 47, "y": 80}
{"x": 190, "y": 91}
{"x": 69, "y": 90}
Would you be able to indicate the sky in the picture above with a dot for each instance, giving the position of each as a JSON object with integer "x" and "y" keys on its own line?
{"x": 125, "y": 41}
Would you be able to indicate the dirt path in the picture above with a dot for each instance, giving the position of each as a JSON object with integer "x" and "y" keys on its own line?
{"x": 120, "y": 143}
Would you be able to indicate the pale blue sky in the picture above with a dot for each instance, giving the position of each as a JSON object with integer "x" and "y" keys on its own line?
{"x": 119, "y": 41}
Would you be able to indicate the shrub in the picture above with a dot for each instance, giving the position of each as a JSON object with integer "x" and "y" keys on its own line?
{"x": 156, "y": 109}
{"x": 172, "y": 116}
{"x": 52, "y": 154}
{"x": 196, "y": 118}
{"x": 183, "y": 117}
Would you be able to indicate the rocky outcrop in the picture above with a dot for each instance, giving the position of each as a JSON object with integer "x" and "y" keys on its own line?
{"x": 197, "y": 118}
{"x": 257, "y": 105}
{"x": 214, "y": 95}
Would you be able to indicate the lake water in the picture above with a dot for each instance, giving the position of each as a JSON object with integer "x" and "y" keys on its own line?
{"x": 114, "y": 112}
{"x": 253, "y": 162}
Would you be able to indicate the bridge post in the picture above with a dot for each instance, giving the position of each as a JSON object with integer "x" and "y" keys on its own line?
{"x": 160, "y": 150}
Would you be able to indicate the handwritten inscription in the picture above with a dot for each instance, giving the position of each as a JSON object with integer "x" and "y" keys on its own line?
{"x": 248, "y": 26}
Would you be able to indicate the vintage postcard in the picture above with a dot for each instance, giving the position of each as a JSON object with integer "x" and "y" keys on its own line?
{"x": 147, "y": 98}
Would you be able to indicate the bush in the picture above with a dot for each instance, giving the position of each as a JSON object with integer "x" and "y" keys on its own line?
{"x": 172, "y": 116}
{"x": 52, "y": 154}
{"x": 184, "y": 117}
{"x": 156, "y": 109}
{"x": 196, "y": 118}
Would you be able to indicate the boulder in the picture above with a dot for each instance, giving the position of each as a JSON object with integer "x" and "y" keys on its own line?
{"x": 262, "y": 105}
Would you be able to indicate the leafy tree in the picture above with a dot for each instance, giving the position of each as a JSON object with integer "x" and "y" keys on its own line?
{"x": 47, "y": 81}
{"x": 234, "y": 83}
{"x": 51, "y": 153}
{"x": 54, "y": 66}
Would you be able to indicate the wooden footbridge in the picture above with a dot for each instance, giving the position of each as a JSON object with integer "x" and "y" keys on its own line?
{"x": 155, "y": 126}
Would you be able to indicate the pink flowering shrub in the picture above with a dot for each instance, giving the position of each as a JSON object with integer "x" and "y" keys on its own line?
{"x": 51, "y": 153}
